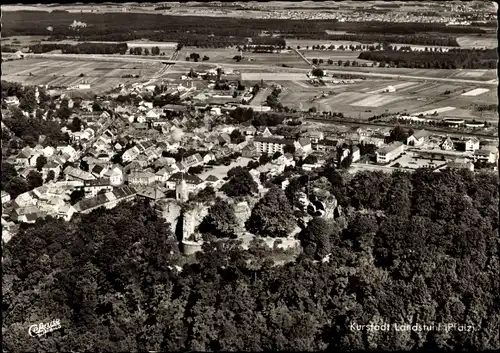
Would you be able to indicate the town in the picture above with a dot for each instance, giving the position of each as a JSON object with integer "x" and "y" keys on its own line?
{"x": 133, "y": 144}
{"x": 208, "y": 176}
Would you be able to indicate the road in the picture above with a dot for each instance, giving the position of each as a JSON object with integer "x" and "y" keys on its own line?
{"x": 132, "y": 58}
{"x": 303, "y": 57}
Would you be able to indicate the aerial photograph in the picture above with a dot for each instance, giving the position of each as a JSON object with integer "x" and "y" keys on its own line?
{"x": 250, "y": 176}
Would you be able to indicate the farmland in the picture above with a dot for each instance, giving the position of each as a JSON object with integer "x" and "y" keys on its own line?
{"x": 64, "y": 73}
{"x": 366, "y": 98}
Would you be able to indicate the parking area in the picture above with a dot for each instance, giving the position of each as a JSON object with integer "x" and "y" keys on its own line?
{"x": 412, "y": 160}
{"x": 220, "y": 171}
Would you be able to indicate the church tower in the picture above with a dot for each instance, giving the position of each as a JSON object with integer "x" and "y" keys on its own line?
{"x": 182, "y": 191}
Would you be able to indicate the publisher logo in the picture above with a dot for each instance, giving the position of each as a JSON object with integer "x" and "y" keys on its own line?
{"x": 42, "y": 329}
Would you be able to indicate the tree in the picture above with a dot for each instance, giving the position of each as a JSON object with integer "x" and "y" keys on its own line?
{"x": 96, "y": 107}
{"x": 220, "y": 220}
{"x": 242, "y": 184}
{"x": 196, "y": 169}
{"x": 316, "y": 237}
{"x": 398, "y": 134}
{"x": 205, "y": 58}
{"x": 34, "y": 179}
{"x": 28, "y": 101}
{"x": 50, "y": 176}
{"x": 339, "y": 63}
{"x": 289, "y": 149}
{"x": 76, "y": 124}
{"x": 40, "y": 162}
{"x": 317, "y": 72}
{"x": 146, "y": 51}
{"x": 277, "y": 155}
{"x": 236, "y": 136}
{"x": 330, "y": 62}
{"x": 272, "y": 216}
{"x": 264, "y": 159}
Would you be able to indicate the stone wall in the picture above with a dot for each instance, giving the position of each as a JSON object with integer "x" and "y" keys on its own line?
{"x": 170, "y": 210}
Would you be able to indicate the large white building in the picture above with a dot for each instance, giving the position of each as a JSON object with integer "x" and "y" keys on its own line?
{"x": 389, "y": 152}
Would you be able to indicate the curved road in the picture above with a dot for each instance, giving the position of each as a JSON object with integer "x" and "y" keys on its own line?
{"x": 131, "y": 58}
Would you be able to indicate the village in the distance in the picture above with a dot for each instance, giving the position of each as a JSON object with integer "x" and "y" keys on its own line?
{"x": 261, "y": 128}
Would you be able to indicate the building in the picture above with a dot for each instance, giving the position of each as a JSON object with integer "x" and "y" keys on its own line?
{"x": 484, "y": 156}
{"x": 77, "y": 174}
{"x": 326, "y": 145}
{"x": 270, "y": 145}
{"x": 5, "y": 197}
{"x": 472, "y": 144}
{"x": 418, "y": 138}
{"x": 192, "y": 181}
{"x": 461, "y": 163}
{"x": 93, "y": 187}
{"x": 389, "y": 152}
{"x": 12, "y": 100}
{"x": 249, "y": 151}
{"x": 448, "y": 145}
{"x": 136, "y": 178}
{"x": 107, "y": 200}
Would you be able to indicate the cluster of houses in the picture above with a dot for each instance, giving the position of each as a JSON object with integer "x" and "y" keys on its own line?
{"x": 127, "y": 152}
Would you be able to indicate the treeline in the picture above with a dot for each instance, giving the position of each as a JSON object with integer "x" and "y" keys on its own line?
{"x": 191, "y": 30}
{"x": 453, "y": 59}
{"x": 81, "y": 48}
{"x": 111, "y": 275}
{"x": 416, "y": 39}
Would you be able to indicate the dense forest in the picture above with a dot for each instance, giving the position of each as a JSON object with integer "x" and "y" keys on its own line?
{"x": 81, "y": 48}
{"x": 453, "y": 59}
{"x": 214, "y": 31}
{"x": 416, "y": 249}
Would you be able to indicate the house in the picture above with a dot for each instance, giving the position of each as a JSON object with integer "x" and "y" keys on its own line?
{"x": 66, "y": 212}
{"x": 271, "y": 145}
{"x": 23, "y": 157}
{"x": 72, "y": 173}
{"x": 472, "y": 144}
{"x": 130, "y": 154}
{"x": 303, "y": 145}
{"x": 418, "y": 138}
{"x": 48, "y": 151}
{"x": 461, "y": 163}
{"x": 207, "y": 157}
{"x": 224, "y": 139}
{"x": 264, "y": 132}
{"x": 192, "y": 181}
{"x": 12, "y": 100}
{"x": 315, "y": 136}
{"x": 108, "y": 200}
{"x": 249, "y": 151}
{"x": 326, "y": 145}
{"x": 69, "y": 150}
{"x": 484, "y": 156}
{"x": 136, "y": 178}
{"x": 115, "y": 176}
{"x": 163, "y": 174}
{"x": 51, "y": 167}
{"x": 212, "y": 180}
{"x": 5, "y": 197}
{"x": 248, "y": 130}
{"x": 447, "y": 144}
{"x": 93, "y": 187}
{"x": 150, "y": 193}
{"x": 389, "y": 152}
{"x": 98, "y": 171}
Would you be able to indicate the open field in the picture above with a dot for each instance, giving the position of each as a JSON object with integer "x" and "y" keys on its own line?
{"x": 474, "y": 41}
{"x": 279, "y": 76}
{"x": 100, "y": 75}
{"x": 475, "y": 92}
{"x": 335, "y": 55}
{"x": 225, "y": 56}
